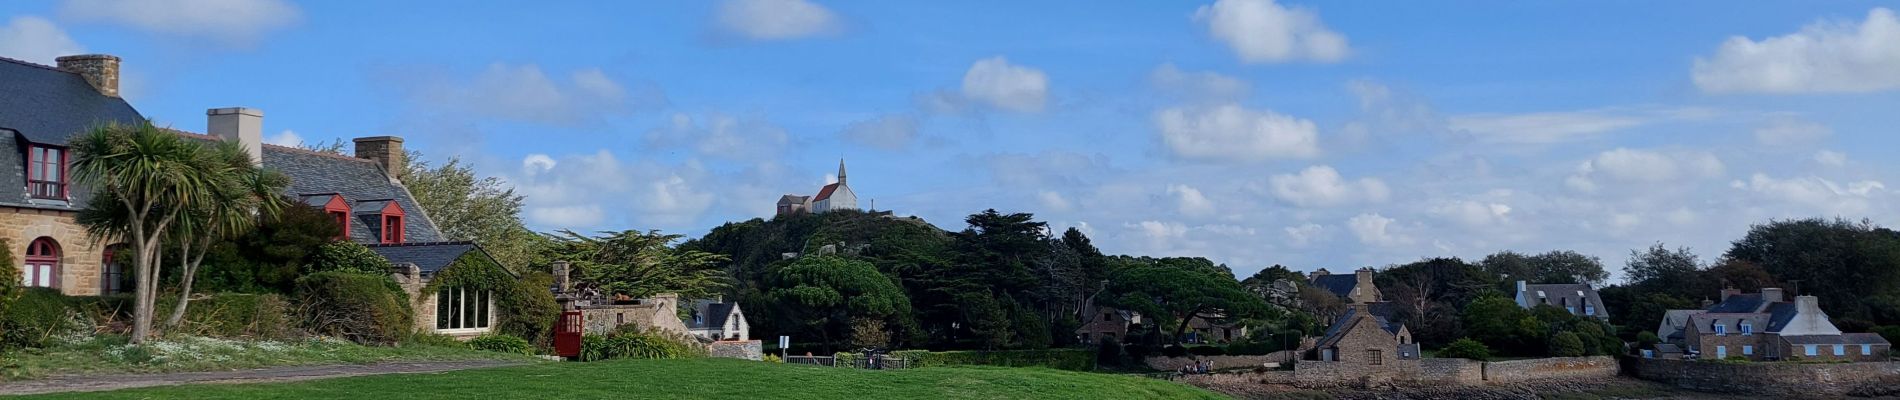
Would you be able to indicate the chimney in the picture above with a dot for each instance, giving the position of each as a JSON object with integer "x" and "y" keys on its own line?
{"x": 1706, "y": 303}
{"x": 561, "y": 277}
{"x": 1730, "y": 292}
{"x": 244, "y": 126}
{"x": 386, "y": 151}
{"x": 1522, "y": 286}
{"x": 101, "y": 70}
{"x": 1365, "y": 276}
{"x": 1772, "y": 295}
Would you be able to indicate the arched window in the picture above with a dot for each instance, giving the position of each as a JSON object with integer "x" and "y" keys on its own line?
{"x": 115, "y": 276}
{"x": 42, "y": 264}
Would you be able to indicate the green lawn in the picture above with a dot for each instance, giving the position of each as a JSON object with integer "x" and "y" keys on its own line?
{"x": 695, "y": 379}
{"x": 111, "y": 355}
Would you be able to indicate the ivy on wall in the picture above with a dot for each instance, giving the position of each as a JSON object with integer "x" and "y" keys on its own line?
{"x": 524, "y": 305}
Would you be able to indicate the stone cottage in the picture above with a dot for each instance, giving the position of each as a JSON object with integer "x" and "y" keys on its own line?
{"x": 717, "y": 320}
{"x": 1577, "y": 298}
{"x": 1354, "y": 288}
{"x": 1361, "y": 337}
{"x": 1106, "y": 324}
{"x": 1767, "y": 326}
{"x": 40, "y": 108}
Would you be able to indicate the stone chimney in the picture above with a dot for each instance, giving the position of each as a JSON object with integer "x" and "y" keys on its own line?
{"x": 1364, "y": 291}
{"x": 561, "y": 281}
{"x": 1523, "y": 286}
{"x": 386, "y": 151}
{"x": 1313, "y": 276}
{"x": 101, "y": 70}
{"x": 1808, "y": 319}
{"x": 244, "y": 126}
{"x": 1730, "y": 292}
{"x": 1772, "y": 295}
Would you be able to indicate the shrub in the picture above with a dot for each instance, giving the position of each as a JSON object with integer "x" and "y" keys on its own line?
{"x": 1566, "y": 344}
{"x": 1465, "y": 348}
{"x": 772, "y": 358}
{"x": 527, "y": 309}
{"x": 1065, "y": 359}
{"x": 1174, "y": 350}
{"x": 1137, "y": 350}
{"x": 1108, "y": 353}
{"x": 36, "y": 316}
{"x": 346, "y": 256}
{"x": 233, "y": 315}
{"x": 638, "y": 344}
{"x": 363, "y": 308}
{"x": 1207, "y": 351}
{"x": 1647, "y": 340}
{"x": 422, "y": 338}
{"x": 501, "y": 343}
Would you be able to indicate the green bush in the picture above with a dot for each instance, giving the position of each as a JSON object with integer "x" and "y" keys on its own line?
{"x": 1566, "y": 344}
{"x": 1107, "y": 352}
{"x": 501, "y": 343}
{"x": 1647, "y": 340}
{"x": 1174, "y": 351}
{"x": 346, "y": 257}
{"x": 637, "y": 344}
{"x": 526, "y": 308}
{"x": 423, "y": 338}
{"x": 1889, "y": 332}
{"x": 1465, "y": 348}
{"x": 36, "y": 316}
{"x": 1137, "y": 350}
{"x": 233, "y": 315}
{"x": 1065, "y": 359}
{"x": 364, "y": 308}
{"x": 1207, "y": 351}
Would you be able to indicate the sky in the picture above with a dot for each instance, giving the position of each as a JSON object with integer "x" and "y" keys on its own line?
{"x": 1252, "y": 132}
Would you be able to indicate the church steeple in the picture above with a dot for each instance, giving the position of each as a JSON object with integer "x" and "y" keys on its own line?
{"x": 841, "y": 171}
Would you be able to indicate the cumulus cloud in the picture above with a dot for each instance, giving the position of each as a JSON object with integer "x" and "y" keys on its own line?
{"x": 36, "y": 39}
{"x": 1376, "y": 230}
{"x": 234, "y": 22}
{"x": 1260, "y": 31}
{"x": 1321, "y": 186}
{"x": 1563, "y": 126}
{"x": 1473, "y": 213}
{"x": 1817, "y": 194}
{"x": 1304, "y": 234}
{"x": 600, "y": 190}
{"x": 775, "y": 19}
{"x": 1233, "y": 133}
{"x": 1830, "y": 158}
{"x": 889, "y": 132}
{"x": 722, "y": 136}
{"x": 526, "y": 93}
{"x": 1006, "y": 86}
{"x": 1788, "y": 131}
{"x": 1646, "y": 166}
{"x": 287, "y": 138}
{"x": 1159, "y": 233}
{"x": 1053, "y": 201}
{"x": 1190, "y": 201}
{"x": 1823, "y": 57}
{"x": 1203, "y": 85}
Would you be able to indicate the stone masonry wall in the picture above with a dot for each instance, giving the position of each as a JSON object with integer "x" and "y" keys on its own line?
{"x": 80, "y": 259}
{"x": 1449, "y": 370}
{"x": 1773, "y": 379}
{"x": 740, "y": 349}
{"x": 1549, "y": 368}
{"x": 1220, "y": 362}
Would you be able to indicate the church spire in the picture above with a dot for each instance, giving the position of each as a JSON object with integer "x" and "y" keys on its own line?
{"x": 841, "y": 171}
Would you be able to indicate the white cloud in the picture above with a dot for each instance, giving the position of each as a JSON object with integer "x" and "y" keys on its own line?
{"x": 1817, "y": 194}
{"x": 1006, "y": 86}
{"x": 1232, "y": 133}
{"x": 526, "y": 93}
{"x": 1647, "y": 166}
{"x": 1321, "y": 186}
{"x": 234, "y": 22}
{"x": 1190, "y": 201}
{"x": 287, "y": 138}
{"x": 776, "y": 19}
{"x": 1374, "y": 229}
{"x": 1158, "y": 232}
{"x": 1563, "y": 126}
{"x": 889, "y": 132}
{"x": 1823, "y": 57}
{"x": 1473, "y": 213}
{"x": 1260, "y": 31}
{"x": 36, "y": 39}
{"x": 537, "y": 163}
{"x": 1830, "y": 158}
{"x": 1204, "y": 85}
{"x": 1053, "y": 201}
{"x": 721, "y": 136}
{"x": 1305, "y": 234}
{"x": 1788, "y": 131}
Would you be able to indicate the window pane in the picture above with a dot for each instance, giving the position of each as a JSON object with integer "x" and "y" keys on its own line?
{"x": 442, "y": 314}
{"x": 46, "y": 275}
{"x": 481, "y": 310}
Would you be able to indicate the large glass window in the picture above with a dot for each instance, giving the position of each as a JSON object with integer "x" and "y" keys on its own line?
{"x": 458, "y": 309}
{"x": 42, "y": 264}
{"x": 46, "y": 172}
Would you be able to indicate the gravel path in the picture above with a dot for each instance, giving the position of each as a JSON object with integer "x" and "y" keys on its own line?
{"x": 94, "y": 383}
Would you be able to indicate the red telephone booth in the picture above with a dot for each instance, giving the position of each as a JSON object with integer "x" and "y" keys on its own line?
{"x": 567, "y": 334}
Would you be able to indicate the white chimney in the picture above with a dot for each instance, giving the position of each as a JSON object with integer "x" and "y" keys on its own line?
{"x": 1808, "y": 319}
{"x": 242, "y": 125}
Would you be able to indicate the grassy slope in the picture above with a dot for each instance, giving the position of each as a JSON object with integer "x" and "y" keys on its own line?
{"x": 696, "y": 379}
{"x": 110, "y": 355}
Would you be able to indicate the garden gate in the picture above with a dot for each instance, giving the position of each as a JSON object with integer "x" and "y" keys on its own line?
{"x": 567, "y": 334}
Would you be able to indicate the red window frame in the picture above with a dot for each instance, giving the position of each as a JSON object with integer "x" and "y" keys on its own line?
{"x": 392, "y": 224}
{"x": 37, "y": 184}
{"x": 42, "y": 251}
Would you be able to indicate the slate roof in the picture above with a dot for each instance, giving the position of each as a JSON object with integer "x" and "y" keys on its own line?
{"x": 792, "y": 199}
{"x": 1347, "y": 320}
{"x": 1705, "y": 322}
{"x": 429, "y": 257}
{"x": 1565, "y": 295}
{"x": 1738, "y": 303}
{"x": 1339, "y": 284}
{"x": 47, "y": 105}
{"x": 41, "y": 104}
{"x": 360, "y": 181}
{"x": 713, "y": 314}
{"x": 1779, "y": 314}
{"x": 1845, "y": 338}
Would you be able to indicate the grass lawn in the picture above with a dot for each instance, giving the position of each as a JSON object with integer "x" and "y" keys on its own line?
{"x": 695, "y": 379}
{"x": 110, "y": 355}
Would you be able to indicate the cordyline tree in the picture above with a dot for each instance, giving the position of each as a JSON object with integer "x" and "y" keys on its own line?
{"x": 238, "y": 200}
{"x": 144, "y": 181}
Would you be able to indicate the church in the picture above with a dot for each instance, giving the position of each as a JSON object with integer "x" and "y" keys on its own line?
{"x": 836, "y": 196}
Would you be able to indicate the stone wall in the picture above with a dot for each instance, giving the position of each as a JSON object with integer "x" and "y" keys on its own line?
{"x": 1549, "y": 368}
{"x": 658, "y": 313}
{"x": 1220, "y": 362}
{"x": 1449, "y": 370}
{"x": 80, "y": 259}
{"x": 740, "y": 349}
{"x": 1773, "y": 378}
{"x": 1234, "y": 377}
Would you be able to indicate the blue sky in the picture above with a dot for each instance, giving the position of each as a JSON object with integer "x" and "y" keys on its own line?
{"x": 1310, "y": 134}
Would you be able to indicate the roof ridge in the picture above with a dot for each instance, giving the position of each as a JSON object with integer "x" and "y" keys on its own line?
{"x": 32, "y": 64}
{"x": 409, "y": 244}
{"x": 196, "y": 135}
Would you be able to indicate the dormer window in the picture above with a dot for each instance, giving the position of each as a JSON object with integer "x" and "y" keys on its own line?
{"x": 1747, "y": 328}
{"x": 1721, "y": 330}
{"x": 46, "y": 172}
{"x": 392, "y": 228}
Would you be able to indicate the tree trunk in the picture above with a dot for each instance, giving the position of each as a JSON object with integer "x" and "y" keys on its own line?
{"x": 184, "y": 284}
{"x": 1184, "y": 324}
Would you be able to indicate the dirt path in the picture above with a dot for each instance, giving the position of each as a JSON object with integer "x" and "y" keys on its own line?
{"x": 94, "y": 383}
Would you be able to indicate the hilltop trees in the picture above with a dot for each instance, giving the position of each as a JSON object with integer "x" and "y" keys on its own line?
{"x": 832, "y": 297}
{"x": 1175, "y": 290}
{"x": 1853, "y": 267}
{"x": 640, "y": 264}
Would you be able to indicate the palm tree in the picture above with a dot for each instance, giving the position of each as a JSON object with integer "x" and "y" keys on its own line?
{"x": 143, "y": 178}
{"x": 244, "y": 193}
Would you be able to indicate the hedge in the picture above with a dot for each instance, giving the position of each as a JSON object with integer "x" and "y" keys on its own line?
{"x": 36, "y": 316}
{"x": 626, "y": 343}
{"x": 501, "y": 343}
{"x": 363, "y": 308}
{"x": 234, "y": 315}
{"x": 1064, "y": 359}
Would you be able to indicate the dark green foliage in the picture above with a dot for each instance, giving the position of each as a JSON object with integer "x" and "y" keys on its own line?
{"x": 1556, "y": 266}
{"x": 1427, "y": 295}
{"x": 1107, "y": 352}
{"x": 818, "y": 296}
{"x": 1889, "y": 332}
{"x": 35, "y": 316}
{"x": 1466, "y": 348}
{"x": 270, "y": 258}
{"x": 1207, "y": 351}
{"x": 525, "y": 307}
{"x": 1854, "y": 268}
{"x": 1064, "y": 359}
{"x": 346, "y": 257}
{"x": 364, "y": 308}
{"x": 1174, "y": 350}
{"x": 235, "y": 315}
{"x": 1263, "y": 342}
{"x": 1173, "y": 290}
{"x": 1566, "y": 344}
{"x": 1138, "y": 350}
{"x": 501, "y": 343}
{"x": 1647, "y": 340}
{"x": 635, "y": 344}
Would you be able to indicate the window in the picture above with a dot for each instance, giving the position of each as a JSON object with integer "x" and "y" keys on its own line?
{"x": 113, "y": 278}
{"x": 342, "y": 222}
{"x": 1840, "y": 349}
{"x": 1811, "y": 350}
{"x": 1721, "y": 330}
{"x": 1866, "y": 349}
{"x": 1747, "y": 328}
{"x": 1571, "y": 309}
{"x": 1721, "y": 351}
{"x": 461, "y": 310}
{"x": 42, "y": 264}
{"x": 1108, "y": 316}
{"x": 1328, "y": 355}
{"x": 46, "y": 172}
{"x": 392, "y": 228}
{"x": 1589, "y": 310}
{"x": 1748, "y": 350}
{"x": 1375, "y": 357}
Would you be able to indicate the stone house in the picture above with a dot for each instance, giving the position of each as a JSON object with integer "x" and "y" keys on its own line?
{"x": 717, "y": 320}
{"x": 1361, "y": 344}
{"x": 1577, "y": 298}
{"x": 836, "y": 196}
{"x": 1767, "y": 326}
{"x": 1106, "y": 324}
{"x": 1356, "y": 288}
{"x": 40, "y": 108}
